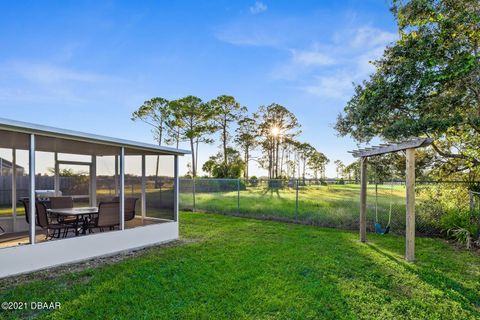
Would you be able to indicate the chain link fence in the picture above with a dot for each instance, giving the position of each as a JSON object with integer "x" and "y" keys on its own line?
{"x": 333, "y": 204}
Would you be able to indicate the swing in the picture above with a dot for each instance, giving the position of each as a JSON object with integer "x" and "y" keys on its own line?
{"x": 378, "y": 226}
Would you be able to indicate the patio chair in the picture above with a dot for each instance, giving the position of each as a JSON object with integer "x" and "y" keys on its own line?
{"x": 42, "y": 220}
{"x": 61, "y": 202}
{"x": 130, "y": 204}
{"x": 108, "y": 216}
{"x": 26, "y": 206}
{"x": 109, "y": 199}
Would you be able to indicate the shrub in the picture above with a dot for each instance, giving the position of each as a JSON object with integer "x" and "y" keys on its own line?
{"x": 461, "y": 235}
{"x": 253, "y": 182}
{"x": 455, "y": 219}
{"x": 442, "y": 207}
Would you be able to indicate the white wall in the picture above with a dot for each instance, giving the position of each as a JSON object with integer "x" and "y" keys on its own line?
{"x": 28, "y": 258}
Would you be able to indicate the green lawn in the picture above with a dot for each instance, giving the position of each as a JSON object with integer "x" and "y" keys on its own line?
{"x": 243, "y": 268}
{"x": 329, "y": 206}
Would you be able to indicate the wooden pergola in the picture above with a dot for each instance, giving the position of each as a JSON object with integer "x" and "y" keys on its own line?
{"x": 409, "y": 146}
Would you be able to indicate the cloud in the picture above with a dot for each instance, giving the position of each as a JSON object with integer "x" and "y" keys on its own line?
{"x": 336, "y": 86}
{"x": 259, "y": 33}
{"x": 248, "y": 37}
{"x": 372, "y": 37}
{"x": 46, "y": 82}
{"x": 311, "y": 58}
{"x": 303, "y": 62}
{"x": 47, "y": 73}
{"x": 258, "y": 7}
{"x": 353, "y": 54}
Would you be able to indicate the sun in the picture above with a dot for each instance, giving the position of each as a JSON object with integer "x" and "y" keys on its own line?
{"x": 275, "y": 131}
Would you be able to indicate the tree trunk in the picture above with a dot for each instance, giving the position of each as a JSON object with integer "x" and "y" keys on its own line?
{"x": 277, "y": 144}
{"x": 158, "y": 157}
{"x": 246, "y": 163}
{"x": 303, "y": 174}
{"x": 196, "y": 155}
{"x": 281, "y": 160}
{"x": 178, "y": 137}
{"x": 299, "y": 164}
{"x": 270, "y": 159}
{"x": 192, "y": 149}
{"x": 225, "y": 158}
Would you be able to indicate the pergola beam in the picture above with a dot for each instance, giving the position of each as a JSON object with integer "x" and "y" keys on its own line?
{"x": 388, "y": 148}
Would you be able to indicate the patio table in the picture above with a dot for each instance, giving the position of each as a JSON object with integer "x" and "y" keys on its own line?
{"x": 79, "y": 213}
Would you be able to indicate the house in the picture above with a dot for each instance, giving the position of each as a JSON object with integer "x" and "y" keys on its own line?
{"x": 102, "y": 224}
{"x": 6, "y": 168}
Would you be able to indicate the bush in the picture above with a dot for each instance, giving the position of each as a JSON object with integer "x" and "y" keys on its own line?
{"x": 455, "y": 218}
{"x": 444, "y": 209}
{"x": 438, "y": 200}
{"x": 461, "y": 235}
{"x": 253, "y": 181}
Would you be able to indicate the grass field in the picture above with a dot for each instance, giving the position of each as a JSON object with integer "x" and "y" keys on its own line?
{"x": 235, "y": 268}
{"x": 329, "y": 206}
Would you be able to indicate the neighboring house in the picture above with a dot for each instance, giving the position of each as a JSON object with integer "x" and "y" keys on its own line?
{"x": 6, "y": 168}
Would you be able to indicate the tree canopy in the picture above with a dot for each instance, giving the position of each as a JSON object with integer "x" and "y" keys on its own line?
{"x": 425, "y": 84}
{"x": 273, "y": 128}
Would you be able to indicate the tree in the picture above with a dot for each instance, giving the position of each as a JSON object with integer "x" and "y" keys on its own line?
{"x": 192, "y": 118}
{"x": 209, "y": 166}
{"x": 226, "y": 110}
{"x": 156, "y": 112}
{"x": 277, "y": 126}
{"x": 216, "y": 167}
{"x": 426, "y": 84}
{"x": 340, "y": 167}
{"x": 246, "y": 138}
{"x": 353, "y": 171}
{"x": 317, "y": 163}
{"x": 304, "y": 152}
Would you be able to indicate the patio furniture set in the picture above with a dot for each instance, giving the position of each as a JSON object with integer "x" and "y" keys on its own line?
{"x": 57, "y": 216}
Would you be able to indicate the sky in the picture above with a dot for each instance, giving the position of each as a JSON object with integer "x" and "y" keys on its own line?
{"x": 87, "y": 65}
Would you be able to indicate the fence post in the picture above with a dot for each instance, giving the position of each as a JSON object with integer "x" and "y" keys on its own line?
{"x": 296, "y": 201}
{"x": 238, "y": 196}
{"x": 193, "y": 193}
{"x": 472, "y": 202}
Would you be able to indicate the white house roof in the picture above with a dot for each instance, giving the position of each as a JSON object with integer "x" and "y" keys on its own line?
{"x": 58, "y": 135}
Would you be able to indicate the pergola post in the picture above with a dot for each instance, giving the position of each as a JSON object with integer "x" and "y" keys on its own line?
{"x": 121, "y": 193}
{"x": 410, "y": 207}
{"x": 363, "y": 199}
{"x": 31, "y": 202}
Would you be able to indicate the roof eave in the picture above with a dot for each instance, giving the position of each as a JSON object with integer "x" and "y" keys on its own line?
{"x": 31, "y": 128}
